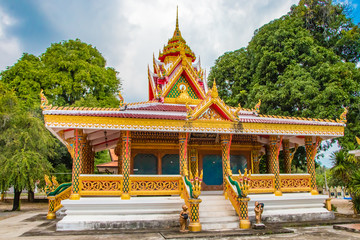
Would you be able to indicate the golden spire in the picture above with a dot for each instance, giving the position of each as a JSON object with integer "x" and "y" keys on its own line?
{"x": 177, "y": 32}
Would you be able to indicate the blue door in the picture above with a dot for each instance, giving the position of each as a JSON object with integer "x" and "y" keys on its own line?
{"x": 212, "y": 170}
{"x": 170, "y": 164}
{"x": 145, "y": 164}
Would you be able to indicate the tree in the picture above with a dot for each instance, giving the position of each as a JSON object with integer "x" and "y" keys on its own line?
{"x": 298, "y": 66}
{"x": 25, "y": 145}
{"x": 69, "y": 72}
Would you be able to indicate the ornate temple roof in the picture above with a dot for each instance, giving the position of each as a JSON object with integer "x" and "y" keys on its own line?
{"x": 179, "y": 101}
{"x": 174, "y": 73}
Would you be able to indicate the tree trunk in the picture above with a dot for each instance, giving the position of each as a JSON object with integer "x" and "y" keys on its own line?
{"x": 2, "y": 198}
{"x": 30, "y": 196}
{"x": 16, "y": 202}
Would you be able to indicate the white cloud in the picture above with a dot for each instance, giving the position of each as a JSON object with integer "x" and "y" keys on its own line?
{"x": 10, "y": 49}
{"x": 128, "y": 32}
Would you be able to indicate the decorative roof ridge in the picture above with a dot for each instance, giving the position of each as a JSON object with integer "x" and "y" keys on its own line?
{"x": 184, "y": 68}
{"x": 173, "y": 66}
{"x": 319, "y": 120}
{"x": 212, "y": 97}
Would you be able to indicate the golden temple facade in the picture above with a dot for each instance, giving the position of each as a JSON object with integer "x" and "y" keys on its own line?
{"x": 184, "y": 129}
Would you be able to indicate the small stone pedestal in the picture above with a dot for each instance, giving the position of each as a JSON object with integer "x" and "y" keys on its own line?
{"x": 259, "y": 226}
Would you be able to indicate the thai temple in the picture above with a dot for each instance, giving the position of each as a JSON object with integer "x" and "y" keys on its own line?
{"x": 184, "y": 146}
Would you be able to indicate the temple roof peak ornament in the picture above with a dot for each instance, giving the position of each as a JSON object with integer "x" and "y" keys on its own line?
{"x": 172, "y": 49}
{"x": 44, "y": 102}
{"x": 343, "y": 116}
{"x": 214, "y": 91}
{"x": 122, "y": 103}
{"x": 257, "y": 106}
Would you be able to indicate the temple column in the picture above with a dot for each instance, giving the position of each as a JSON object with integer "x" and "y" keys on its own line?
{"x": 183, "y": 152}
{"x": 244, "y": 213}
{"x": 87, "y": 162}
{"x": 274, "y": 160}
{"x": 268, "y": 159}
{"x": 256, "y": 161}
{"x": 92, "y": 162}
{"x": 225, "y": 154}
{"x": 117, "y": 152}
{"x": 194, "y": 161}
{"x": 287, "y": 159}
{"x": 78, "y": 150}
{"x": 195, "y": 225}
{"x": 125, "y": 159}
{"x": 311, "y": 150}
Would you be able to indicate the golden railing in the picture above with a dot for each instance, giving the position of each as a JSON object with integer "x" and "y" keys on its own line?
{"x": 265, "y": 183}
{"x": 105, "y": 185}
{"x": 295, "y": 182}
{"x": 261, "y": 183}
{"x": 155, "y": 185}
{"x": 232, "y": 195}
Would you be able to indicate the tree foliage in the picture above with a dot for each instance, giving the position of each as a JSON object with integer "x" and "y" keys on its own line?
{"x": 70, "y": 72}
{"x": 25, "y": 146}
{"x": 303, "y": 64}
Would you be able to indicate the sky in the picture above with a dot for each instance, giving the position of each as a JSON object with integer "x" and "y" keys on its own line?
{"x": 127, "y": 33}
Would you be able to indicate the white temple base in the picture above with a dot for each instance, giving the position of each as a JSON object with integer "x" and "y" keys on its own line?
{"x": 291, "y": 207}
{"x": 101, "y": 213}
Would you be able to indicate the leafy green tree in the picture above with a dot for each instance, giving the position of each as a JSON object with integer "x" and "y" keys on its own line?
{"x": 70, "y": 72}
{"x": 25, "y": 145}
{"x": 298, "y": 65}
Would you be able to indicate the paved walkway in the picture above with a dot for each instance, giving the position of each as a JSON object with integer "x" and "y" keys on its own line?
{"x": 31, "y": 225}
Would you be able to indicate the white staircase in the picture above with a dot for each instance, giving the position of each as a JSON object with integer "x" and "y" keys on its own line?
{"x": 217, "y": 213}
{"x": 102, "y": 213}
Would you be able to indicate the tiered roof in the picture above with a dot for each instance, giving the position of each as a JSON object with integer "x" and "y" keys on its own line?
{"x": 179, "y": 101}
{"x": 175, "y": 74}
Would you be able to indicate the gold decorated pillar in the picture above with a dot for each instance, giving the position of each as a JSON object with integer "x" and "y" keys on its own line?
{"x": 286, "y": 152}
{"x": 268, "y": 159}
{"x": 311, "y": 150}
{"x": 274, "y": 162}
{"x": 255, "y": 154}
{"x": 88, "y": 159}
{"x": 183, "y": 151}
{"x": 77, "y": 146}
{"x": 92, "y": 162}
{"x": 125, "y": 159}
{"x": 117, "y": 152}
{"x": 225, "y": 154}
{"x": 244, "y": 213}
{"x": 195, "y": 225}
{"x": 193, "y": 161}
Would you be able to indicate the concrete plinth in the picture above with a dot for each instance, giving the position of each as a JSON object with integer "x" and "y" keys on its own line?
{"x": 291, "y": 207}
{"x": 113, "y": 213}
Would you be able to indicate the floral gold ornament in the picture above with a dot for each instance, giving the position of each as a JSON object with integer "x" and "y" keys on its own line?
{"x": 257, "y": 107}
{"x": 122, "y": 101}
{"x": 196, "y": 184}
{"x": 44, "y": 102}
{"x": 343, "y": 116}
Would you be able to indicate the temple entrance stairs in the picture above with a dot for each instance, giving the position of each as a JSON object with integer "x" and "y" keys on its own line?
{"x": 216, "y": 212}
{"x": 102, "y": 213}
